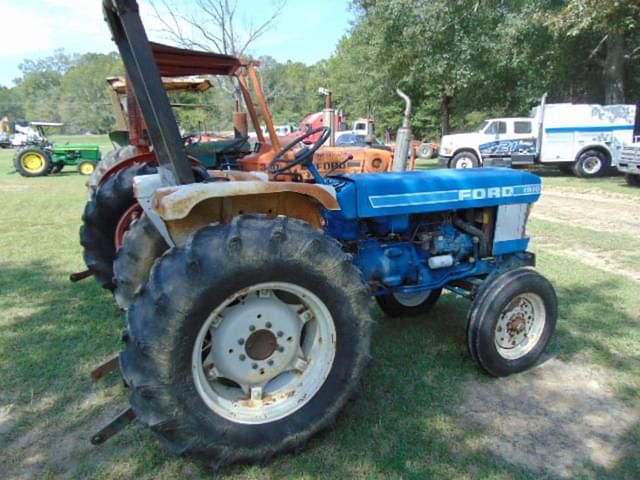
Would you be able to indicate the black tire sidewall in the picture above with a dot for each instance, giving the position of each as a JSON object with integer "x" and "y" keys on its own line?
{"x": 633, "y": 180}
{"x": 142, "y": 246}
{"x": 181, "y": 293}
{"x": 485, "y": 312}
{"x": 582, "y": 158}
{"x": 250, "y": 435}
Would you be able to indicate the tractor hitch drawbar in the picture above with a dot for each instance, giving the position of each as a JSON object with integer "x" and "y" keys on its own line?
{"x": 104, "y": 368}
{"x": 76, "y": 277}
{"x": 116, "y": 425}
{"x": 124, "y": 418}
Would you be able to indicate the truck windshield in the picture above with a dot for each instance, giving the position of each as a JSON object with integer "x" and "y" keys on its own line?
{"x": 482, "y": 126}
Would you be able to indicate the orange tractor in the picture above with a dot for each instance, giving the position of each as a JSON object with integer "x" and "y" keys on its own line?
{"x": 112, "y": 210}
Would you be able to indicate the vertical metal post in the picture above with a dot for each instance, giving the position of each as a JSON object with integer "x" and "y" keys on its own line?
{"x": 129, "y": 35}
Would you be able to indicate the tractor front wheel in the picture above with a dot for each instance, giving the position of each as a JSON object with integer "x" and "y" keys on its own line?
{"x": 511, "y": 322}
{"x": 247, "y": 341}
{"x": 32, "y": 161}
{"x": 408, "y": 304}
{"x": 86, "y": 167}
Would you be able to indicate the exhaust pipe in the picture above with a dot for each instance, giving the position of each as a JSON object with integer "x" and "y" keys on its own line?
{"x": 403, "y": 137}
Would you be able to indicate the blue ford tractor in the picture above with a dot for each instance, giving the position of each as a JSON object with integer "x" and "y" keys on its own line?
{"x": 253, "y": 327}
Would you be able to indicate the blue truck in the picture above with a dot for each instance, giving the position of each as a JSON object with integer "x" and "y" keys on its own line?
{"x": 252, "y": 325}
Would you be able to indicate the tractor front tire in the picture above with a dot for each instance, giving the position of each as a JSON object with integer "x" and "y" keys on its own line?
{"x": 32, "y": 161}
{"x": 86, "y": 167}
{"x": 408, "y": 305}
{"x": 511, "y": 322}
{"x": 247, "y": 341}
{"x": 100, "y": 218}
{"x": 142, "y": 246}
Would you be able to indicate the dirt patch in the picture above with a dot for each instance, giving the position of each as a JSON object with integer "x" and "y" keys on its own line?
{"x": 609, "y": 261}
{"x": 53, "y": 443}
{"x": 557, "y": 418}
{"x": 597, "y": 210}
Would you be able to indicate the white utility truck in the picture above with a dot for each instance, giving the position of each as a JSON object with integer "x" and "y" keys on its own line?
{"x": 585, "y": 139}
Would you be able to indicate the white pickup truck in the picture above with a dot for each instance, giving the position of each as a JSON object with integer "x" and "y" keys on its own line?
{"x": 584, "y": 139}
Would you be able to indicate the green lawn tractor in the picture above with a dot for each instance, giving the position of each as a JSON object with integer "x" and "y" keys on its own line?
{"x": 39, "y": 156}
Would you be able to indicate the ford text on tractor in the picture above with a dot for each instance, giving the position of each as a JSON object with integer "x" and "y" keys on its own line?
{"x": 253, "y": 328}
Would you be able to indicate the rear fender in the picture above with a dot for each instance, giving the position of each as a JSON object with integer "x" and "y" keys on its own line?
{"x": 148, "y": 157}
{"x": 187, "y": 208}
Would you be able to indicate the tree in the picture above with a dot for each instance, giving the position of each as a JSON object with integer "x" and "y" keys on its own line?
{"x": 614, "y": 42}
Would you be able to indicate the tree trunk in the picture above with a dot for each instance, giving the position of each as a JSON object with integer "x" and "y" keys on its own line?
{"x": 614, "y": 69}
{"x": 445, "y": 106}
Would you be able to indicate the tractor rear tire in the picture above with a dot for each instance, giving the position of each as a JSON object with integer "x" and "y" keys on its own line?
{"x": 511, "y": 322}
{"x": 142, "y": 247}
{"x": 100, "y": 218}
{"x": 109, "y": 160}
{"x": 404, "y": 305}
{"x": 32, "y": 161}
{"x": 256, "y": 271}
{"x": 591, "y": 164}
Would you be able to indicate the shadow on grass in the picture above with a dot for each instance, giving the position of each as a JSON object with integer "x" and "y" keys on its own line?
{"x": 404, "y": 422}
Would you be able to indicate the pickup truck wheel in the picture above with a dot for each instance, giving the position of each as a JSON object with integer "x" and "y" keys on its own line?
{"x": 633, "y": 180}
{"x": 247, "y": 341}
{"x": 591, "y": 163}
{"x": 464, "y": 160}
{"x": 408, "y": 304}
{"x": 511, "y": 322}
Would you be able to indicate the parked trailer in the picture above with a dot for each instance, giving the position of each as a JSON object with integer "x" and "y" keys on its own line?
{"x": 584, "y": 139}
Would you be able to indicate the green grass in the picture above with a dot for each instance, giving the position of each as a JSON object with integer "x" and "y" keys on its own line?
{"x": 404, "y": 422}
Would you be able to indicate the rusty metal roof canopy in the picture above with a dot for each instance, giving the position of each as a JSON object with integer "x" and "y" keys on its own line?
{"x": 180, "y": 62}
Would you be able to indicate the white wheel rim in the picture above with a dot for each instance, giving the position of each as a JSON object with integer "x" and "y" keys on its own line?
{"x": 592, "y": 164}
{"x": 411, "y": 299}
{"x": 520, "y": 326}
{"x": 258, "y": 359}
{"x": 464, "y": 162}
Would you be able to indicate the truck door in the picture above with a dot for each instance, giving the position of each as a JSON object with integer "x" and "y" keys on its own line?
{"x": 495, "y": 130}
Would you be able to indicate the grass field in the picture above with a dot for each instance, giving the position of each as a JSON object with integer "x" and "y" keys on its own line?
{"x": 413, "y": 416}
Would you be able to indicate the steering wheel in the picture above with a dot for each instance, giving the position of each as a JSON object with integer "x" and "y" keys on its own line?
{"x": 302, "y": 157}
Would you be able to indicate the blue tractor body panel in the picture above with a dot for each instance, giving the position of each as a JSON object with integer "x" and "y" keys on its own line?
{"x": 383, "y": 194}
{"x": 421, "y": 230}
